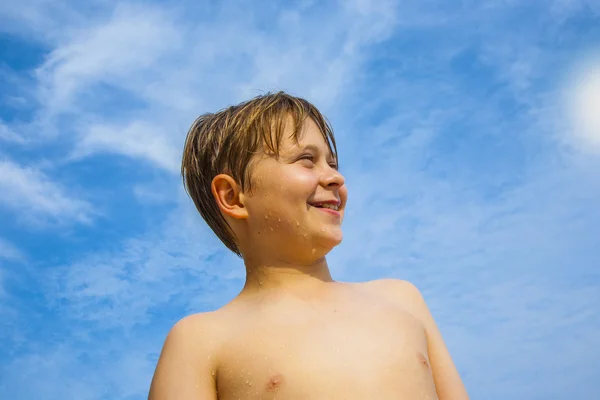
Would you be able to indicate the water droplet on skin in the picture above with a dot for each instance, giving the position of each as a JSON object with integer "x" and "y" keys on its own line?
{"x": 271, "y": 228}
{"x": 297, "y": 223}
{"x": 314, "y": 250}
{"x": 279, "y": 219}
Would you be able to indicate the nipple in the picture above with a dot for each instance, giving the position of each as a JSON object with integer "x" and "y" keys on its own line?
{"x": 422, "y": 360}
{"x": 274, "y": 383}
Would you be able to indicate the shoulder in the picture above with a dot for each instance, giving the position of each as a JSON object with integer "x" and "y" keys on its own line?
{"x": 196, "y": 335}
{"x": 196, "y": 330}
{"x": 193, "y": 332}
{"x": 400, "y": 292}
{"x": 191, "y": 323}
{"x": 186, "y": 366}
{"x": 395, "y": 289}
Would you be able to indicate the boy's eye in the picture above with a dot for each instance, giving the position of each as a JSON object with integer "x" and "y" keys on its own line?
{"x": 308, "y": 157}
{"x": 311, "y": 159}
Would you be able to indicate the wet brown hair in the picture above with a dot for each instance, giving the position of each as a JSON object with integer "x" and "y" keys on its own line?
{"x": 227, "y": 141}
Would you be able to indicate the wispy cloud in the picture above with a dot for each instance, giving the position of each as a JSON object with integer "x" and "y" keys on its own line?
{"x": 30, "y": 192}
{"x": 9, "y": 251}
{"x": 130, "y": 42}
{"x": 136, "y": 139}
{"x": 8, "y": 135}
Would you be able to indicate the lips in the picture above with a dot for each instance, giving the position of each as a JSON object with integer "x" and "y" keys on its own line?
{"x": 330, "y": 207}
{"x": 329, "y": 211}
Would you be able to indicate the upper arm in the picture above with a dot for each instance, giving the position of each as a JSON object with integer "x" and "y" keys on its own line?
{"x": 447, "y": 380}
{"x": 185, "y": 368}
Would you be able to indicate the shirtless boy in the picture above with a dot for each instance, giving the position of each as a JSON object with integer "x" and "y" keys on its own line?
{"x": 264, "y": 176}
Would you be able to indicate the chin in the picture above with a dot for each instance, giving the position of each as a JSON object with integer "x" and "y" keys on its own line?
{"x": 323, "y": 250}
{"x": 330, "y": 241}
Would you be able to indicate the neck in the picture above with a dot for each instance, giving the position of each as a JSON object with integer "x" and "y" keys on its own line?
{"x": 262, "y": 276}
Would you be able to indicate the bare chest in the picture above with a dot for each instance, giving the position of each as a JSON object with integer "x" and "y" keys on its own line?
{"x": 358, "y": 352}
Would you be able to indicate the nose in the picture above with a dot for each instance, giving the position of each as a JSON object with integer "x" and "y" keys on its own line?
{"x": 332, "y": 177}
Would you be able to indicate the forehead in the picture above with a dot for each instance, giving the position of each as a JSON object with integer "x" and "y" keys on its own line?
{"x": 309, "y": 134}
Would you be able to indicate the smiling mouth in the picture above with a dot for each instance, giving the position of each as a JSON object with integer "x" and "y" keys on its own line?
{"x": 333, "y": 205}
{"x": 328, "y": 206}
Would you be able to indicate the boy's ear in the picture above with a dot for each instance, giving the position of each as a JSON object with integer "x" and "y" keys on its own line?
{"x": 229, "y": 196}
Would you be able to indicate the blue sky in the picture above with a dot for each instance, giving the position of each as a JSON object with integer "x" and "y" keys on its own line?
{"x": 469, "y": 135}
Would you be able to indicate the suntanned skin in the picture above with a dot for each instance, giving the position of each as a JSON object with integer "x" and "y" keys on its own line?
{"x": 293, "y": 332}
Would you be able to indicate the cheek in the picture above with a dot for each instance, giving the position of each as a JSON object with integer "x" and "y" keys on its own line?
{"x": 280, "y": 194}
{"x": 302, "y": 181}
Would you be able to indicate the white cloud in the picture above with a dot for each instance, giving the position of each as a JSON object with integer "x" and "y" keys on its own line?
{"x": 8, "y": 135}
{"x": 137, "y": 139}
{"x": 130, "y": 42}
{"x": 33, "y": 194}
{"x": 9, "y": 251}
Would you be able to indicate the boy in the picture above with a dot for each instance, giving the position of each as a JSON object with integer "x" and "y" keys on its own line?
{"x": 264, "y": 176}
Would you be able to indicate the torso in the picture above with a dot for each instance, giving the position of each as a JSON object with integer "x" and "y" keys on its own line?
{"x": 355, "y": 343}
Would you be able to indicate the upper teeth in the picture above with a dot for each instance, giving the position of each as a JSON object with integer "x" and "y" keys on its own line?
{"x": 332, "y": 206}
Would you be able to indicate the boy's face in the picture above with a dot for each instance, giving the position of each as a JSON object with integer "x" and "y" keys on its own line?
{"x": 287, "y": 207}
